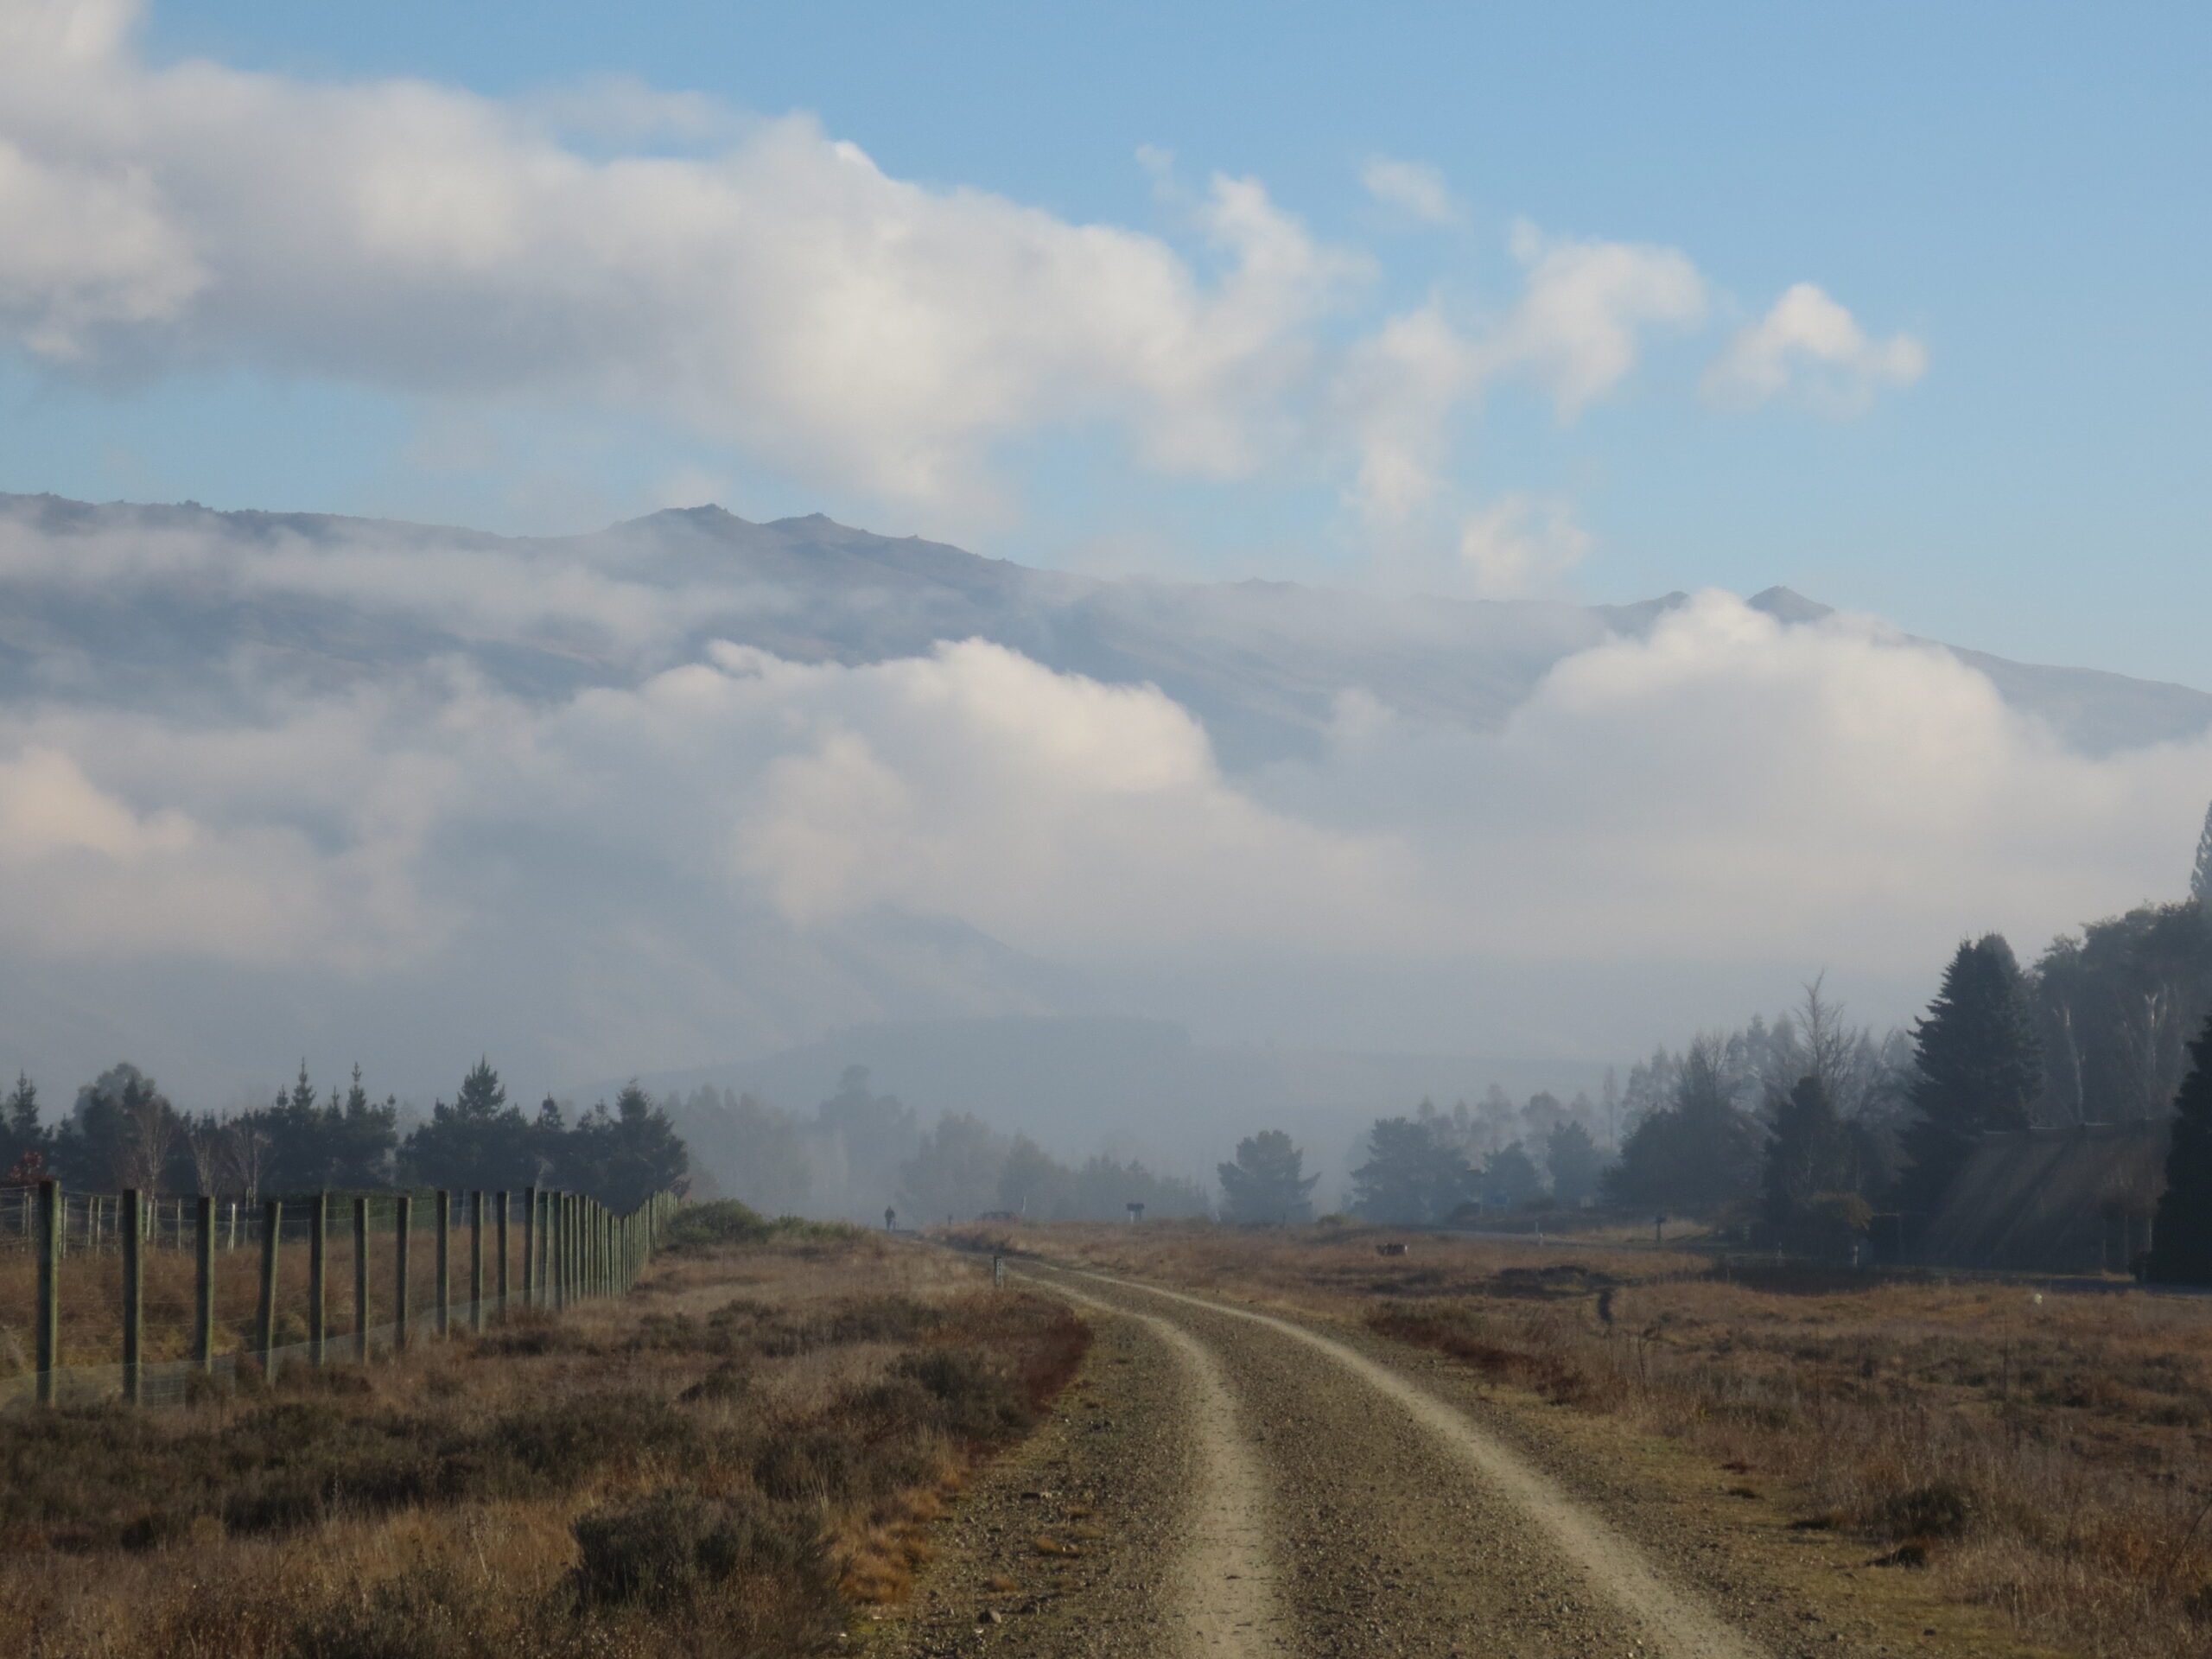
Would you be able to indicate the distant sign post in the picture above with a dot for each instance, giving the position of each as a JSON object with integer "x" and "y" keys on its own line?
{"x": 998, "y": 1271}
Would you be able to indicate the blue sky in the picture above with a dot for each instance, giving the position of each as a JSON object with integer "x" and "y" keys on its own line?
{"x": 2019, "y": 191}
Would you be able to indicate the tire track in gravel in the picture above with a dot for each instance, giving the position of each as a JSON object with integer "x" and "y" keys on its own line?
{"x": 1613, "y": 1595}
{"x": 1225, "y": 1579}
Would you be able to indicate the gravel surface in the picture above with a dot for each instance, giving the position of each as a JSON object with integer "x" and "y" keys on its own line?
{"x": 1237, "y": 1484}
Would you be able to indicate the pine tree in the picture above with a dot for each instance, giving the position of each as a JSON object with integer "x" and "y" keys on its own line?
{"x": 2200, "y": 884}
{"x": 1978, "y": 1066}
{"x": 1268, "y": 1182}
{"x": 21, "y": 1134}
{"x": 2181, "y": 1246}
{"x": 1808, "y": 1155}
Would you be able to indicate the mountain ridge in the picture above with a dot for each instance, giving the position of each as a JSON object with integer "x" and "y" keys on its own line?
{"x": 1261, "y": 662}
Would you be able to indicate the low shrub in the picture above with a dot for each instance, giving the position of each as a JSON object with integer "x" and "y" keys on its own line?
{"x": 676, "y": 1544}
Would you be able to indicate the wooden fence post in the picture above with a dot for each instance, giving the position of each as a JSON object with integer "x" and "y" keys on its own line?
{"x": 506, "y": 1202}
{"x": 233, "y": 1241}
{"x": 401, "y": 1236}
{"x": 272, "y": 1227}
{"x": 562, "y": 1244}
{"x": 318, "y": 1278}
{"x": 203, "y": 1283}
{"x": 361, "y": 1279}
{"x": 530, "y": 1247}
{"x": 564, "y": 1285}
{"x": 133, "y": 1240}
{"x": 476, "y": 1260}
{"x": 444, "y": 1206}
{"x": 49, "y": 1288}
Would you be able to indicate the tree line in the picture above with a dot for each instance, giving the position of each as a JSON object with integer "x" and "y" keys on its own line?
{"x": 1806, "y": 1126}
{"x": 860, "y": 1152}
{"x": 121, "y": 1131}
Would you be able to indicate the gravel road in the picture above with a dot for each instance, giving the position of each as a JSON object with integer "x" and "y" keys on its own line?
{"x": 1225, "y": 1483}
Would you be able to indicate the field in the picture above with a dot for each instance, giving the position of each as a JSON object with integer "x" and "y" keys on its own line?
{"x": 2043, "y": 1454}
{"x": 734, "y": 1458}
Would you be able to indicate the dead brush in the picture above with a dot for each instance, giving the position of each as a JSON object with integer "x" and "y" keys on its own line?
{"x": 644, "y": 1477}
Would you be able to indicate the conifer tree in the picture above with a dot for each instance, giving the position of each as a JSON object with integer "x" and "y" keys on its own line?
{"x": 1978, "y": 1066}
{"x": 2181, "y": 1237}
{"x": 1268, "y": 1182}
{"x": 2200, "y": 884}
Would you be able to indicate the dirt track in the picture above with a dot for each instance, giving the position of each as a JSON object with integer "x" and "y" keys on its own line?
{"x": 1227, "y": 1483}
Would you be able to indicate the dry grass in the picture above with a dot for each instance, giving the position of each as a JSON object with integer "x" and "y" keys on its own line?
{"x": 724, "y": 1462}
{"x": 2044, "y": 1453}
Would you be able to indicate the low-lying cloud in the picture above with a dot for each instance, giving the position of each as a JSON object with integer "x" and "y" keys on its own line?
{"x": 737, "y": 848}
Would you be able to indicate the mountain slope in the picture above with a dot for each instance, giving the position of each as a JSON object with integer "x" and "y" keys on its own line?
{"x": 167, "y": 605}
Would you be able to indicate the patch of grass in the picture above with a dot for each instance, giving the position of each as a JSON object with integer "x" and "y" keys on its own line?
{"x": 726, "y": 1462}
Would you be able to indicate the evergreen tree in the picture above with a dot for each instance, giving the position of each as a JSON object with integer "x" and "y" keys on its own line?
{"x": 2181, "y": 1237}
{"x": 623, "y": 1157}
{"x": 1575, "y": 1164}
{"x": 2200, "y": 883}
{"x": 1268, "y": 1182}
{"x": 21, "y": 1134}
{"x": 1509, "y": 1178}
{"x": 478, "y": 1142}
{"x": 1978, "y": 1067}
{"x": 1809, "y": 1155}
{"x": 1699, "y": 1152}
{"x": 1412, "y": 1174}
{"x": 954, "y": 1171}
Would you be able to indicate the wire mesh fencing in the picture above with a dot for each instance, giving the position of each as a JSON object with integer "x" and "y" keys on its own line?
{"x": 158, "y": 1300}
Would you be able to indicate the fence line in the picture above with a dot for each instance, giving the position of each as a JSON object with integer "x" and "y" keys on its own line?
{"x": 574, "y": 1248}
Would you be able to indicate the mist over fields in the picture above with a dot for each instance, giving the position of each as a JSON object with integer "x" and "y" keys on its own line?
{"x": 690, "y": 796}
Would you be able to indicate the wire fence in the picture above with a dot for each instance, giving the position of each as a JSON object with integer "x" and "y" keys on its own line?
{"x": 239, "y": 1289}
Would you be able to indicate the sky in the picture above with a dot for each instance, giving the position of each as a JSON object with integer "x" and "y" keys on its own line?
{"x": 1897, "y": 305}
{"x": 1900, "y": 307}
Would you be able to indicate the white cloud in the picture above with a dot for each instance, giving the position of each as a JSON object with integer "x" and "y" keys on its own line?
{"x": 1519, "y": 545}
{"x": 720, "y": 841}
{"x": 782, "y": 292}
{"x": 1809, "y": 346}
{"x": 1579, "y": 324}
{"x": 1414, "y": 188}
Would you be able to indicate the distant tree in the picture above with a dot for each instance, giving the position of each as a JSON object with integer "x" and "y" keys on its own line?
{"x": 1575, "y": 1164}
{"x": 1699, "y": 1153}
{"x": 1033, "y": 1183}
{"x": 549, "y": 1148}
{"x": 478, "y": 1142}
{"x": 2115, "y": 1007}
{"x": 1266, "y": 1182}
{"x": 2181, "y": 1237}
{"x": 364, "y": 1137}
{"x": 21, "y": 1132}
{"x": 623, "y": 1157}
{"x": 868, "y": 1136}
{"x": 121, "y": 1132}
{"x": 2200, "y": 881}
{"x": 1809, "y": 1156}
{"x": 1978, "y": 1067}
{"x": 1412, "y": 1174}
{"x": 955, "y": 1170}
{"x": 1105, "y": 1187}
{"x": 1509, "y": 1178}
{"x": 754, "y": 1150}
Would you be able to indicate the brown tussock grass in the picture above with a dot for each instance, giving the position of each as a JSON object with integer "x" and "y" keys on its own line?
{"x": 728, "y": 1460}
